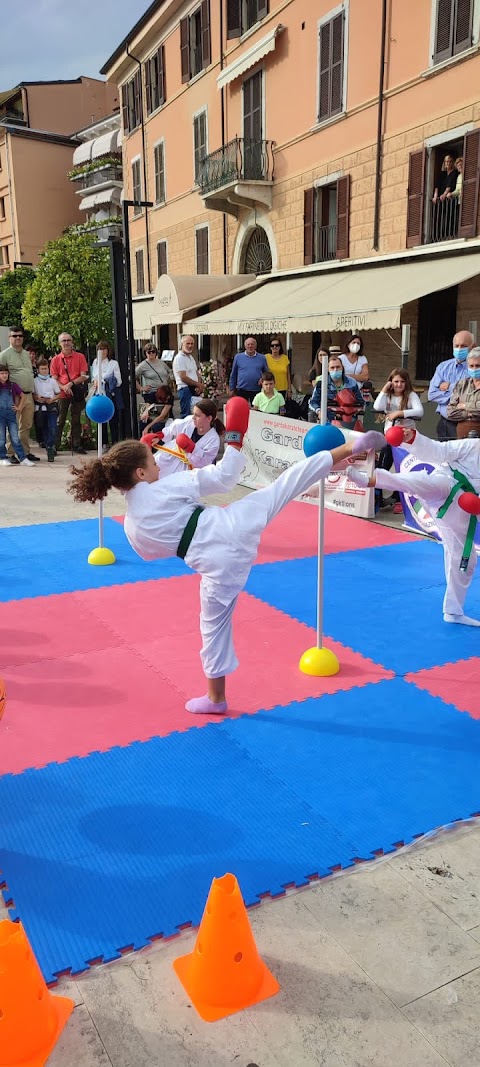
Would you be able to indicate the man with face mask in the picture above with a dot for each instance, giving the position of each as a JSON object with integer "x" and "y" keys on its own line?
{"x": 446, "y": 377}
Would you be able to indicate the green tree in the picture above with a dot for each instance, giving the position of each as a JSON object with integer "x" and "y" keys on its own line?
{"x": 13, "y": 288}
{"x": 71, "y": 291}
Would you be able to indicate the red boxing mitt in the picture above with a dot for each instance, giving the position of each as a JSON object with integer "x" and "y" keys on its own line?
{"x": 237, "y": 413}
{"x": 470, "y": 503}
{"x": 185, "y": 443}
{"x": 151, "y": 439}
{"x": 395, "y": 436}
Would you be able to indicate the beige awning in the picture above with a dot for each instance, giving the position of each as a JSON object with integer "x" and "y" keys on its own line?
{"x": 108, "y": 196}
{"x": 83, "y": 153}
{"x": 174, "y": 296}
{"x": 108, "y": 142}
{"x": 142, "y": 311}
{"x": 365, "y": 298}
{"x": 248, "y": 59}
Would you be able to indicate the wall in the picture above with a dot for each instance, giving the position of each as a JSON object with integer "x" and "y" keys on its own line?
{"x": 69, "y": 106}
{"x": 45, "y": 199}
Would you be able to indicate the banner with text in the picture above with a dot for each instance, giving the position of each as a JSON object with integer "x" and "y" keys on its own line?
{"x": 273, "y": 443}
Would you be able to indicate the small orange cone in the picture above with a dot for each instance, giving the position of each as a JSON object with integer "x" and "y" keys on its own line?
{"x": 31, "y": 1018}
{"x": 224, "y": 973}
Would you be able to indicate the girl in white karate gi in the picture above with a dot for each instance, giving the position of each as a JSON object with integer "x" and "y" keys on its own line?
{"x": 164, "y": 519}
{"x": 456, "y": 471}
{"x": 204, "y": 429}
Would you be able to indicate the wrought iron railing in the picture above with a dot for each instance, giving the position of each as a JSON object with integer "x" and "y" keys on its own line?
{"x": 325, "y": 243}
{"x": 442, "y": 219}
{"x": 100, "y": 177}
{"x": 240, "y": 160}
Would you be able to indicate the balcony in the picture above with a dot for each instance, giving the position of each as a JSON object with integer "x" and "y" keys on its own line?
{"x": 442, "y": 220}
{"x": 238, "y": 175}
{"x": 325, "y": 243}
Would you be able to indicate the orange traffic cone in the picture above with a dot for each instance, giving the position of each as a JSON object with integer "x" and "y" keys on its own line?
{"x": 31, "y": 1018}
{"x": 224, "y": 973}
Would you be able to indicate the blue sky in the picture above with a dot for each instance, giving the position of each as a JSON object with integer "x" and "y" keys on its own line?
{"x": 43, "y": 40}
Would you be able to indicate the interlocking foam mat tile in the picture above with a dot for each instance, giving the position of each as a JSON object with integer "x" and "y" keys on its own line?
{"x": 456, "y": 683}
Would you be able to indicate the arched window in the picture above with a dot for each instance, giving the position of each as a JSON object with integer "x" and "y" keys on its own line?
{"x": 258, "y": 254}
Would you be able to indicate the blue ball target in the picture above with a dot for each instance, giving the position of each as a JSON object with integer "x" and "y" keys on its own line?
{"x": 322, "y": 439}
{"x": 100, "y": 408}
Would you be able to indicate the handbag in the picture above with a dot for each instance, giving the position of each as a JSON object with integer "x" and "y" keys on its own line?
{"x": 79, "y": 390}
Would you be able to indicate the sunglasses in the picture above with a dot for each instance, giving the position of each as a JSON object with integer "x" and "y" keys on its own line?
{"x": 274, "y": 346}
{"x": 16, "y": 335}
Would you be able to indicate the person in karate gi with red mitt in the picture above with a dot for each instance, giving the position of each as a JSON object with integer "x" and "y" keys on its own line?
{"x": 164, "y": 518}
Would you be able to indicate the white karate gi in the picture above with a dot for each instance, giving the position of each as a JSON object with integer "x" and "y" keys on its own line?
{"x": 433, "y": 490}
{"x": 205, "y": 451}
{"x": 224, "y": 545}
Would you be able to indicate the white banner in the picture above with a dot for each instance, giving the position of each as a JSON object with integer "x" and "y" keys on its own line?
{"x": 274, "y": 442}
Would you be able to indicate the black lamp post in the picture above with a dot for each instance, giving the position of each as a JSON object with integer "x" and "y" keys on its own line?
{"x": 131, "y": 422}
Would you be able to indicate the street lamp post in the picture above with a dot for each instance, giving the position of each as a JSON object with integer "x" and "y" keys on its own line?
{"x": 126, "y": 204}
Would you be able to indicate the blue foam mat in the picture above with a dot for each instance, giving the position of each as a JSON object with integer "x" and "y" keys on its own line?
{"x": 108, "y": 851}
{"x": 386, "y": 602}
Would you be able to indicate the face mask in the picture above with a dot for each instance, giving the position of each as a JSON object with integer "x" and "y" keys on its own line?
{"x": 336, "y": 375}
{"x": 44, "y": 377}
{"x": 474, "y": 372}
{"x": 461, "y": 354}
{"x": 354, "y": 348}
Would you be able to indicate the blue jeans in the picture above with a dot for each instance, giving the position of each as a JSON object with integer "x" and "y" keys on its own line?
{"x": 47, "y": 421}
{"x": 8, "y": 421}
{"x": 185, "y": 395}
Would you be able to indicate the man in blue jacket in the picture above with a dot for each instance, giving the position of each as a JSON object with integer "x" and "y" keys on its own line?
{"x": 247, "y": 370}
{"x": 446, "y": 377}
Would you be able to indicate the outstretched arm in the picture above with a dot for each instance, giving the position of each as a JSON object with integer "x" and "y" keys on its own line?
{"x": 221, "y": 478}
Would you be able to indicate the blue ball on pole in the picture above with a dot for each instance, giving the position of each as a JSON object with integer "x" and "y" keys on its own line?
{"x": 322, "y": 439}
{"x": 100, "y": 408}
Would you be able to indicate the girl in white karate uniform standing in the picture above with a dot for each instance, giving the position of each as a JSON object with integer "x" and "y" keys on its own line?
{"x": 204, "y": 429}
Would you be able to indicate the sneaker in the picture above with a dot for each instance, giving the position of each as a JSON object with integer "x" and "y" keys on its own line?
{"x": 397, "y": 508}
{"x": 5, "y": 463}
{"x": 80, "y": 451}
{"x": 26, "y": 462}
{"x": 32, "y": 458}
{"x": 13, "y": 461}
{"x": 50, "y": 455}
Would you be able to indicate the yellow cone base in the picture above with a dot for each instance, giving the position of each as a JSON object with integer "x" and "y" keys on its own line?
{"x": 101, "y": 557}
{"x": 319, "y": 663}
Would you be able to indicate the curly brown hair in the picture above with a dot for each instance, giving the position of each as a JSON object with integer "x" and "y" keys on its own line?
{"x": 115, "y": 470}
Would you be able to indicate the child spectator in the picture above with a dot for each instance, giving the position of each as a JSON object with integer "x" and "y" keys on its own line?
{"x": 269, "y": 400}
{"x": 46, "y": 390}
{"x": 11, "y": 401}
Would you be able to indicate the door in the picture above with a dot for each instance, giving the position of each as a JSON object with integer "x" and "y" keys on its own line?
{"x": 437, "y": 324}
{"x": 253, "y": 128}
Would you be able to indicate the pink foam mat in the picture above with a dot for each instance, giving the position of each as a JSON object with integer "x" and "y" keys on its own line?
{"x": 128, "y": 677}
{"x": 455, "y": 683}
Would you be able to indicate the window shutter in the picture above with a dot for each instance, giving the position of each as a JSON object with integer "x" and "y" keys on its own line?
{"x": 415, "y": 197}
{"x": 185, "y": 49}
{"x": 262, "y": 9}
{"x": 308, "y": 225}
{"x": 469, "y": 202}
{"x": 162, "y": 258}
{"x": 161, "y": 75}
{"x": 126, "y": 125}
{"x": 201, "y": 237}
{"x": 324, "y": 102}
{"x": 444, "y": 30}
{"x": 462, "y": 36}
{"x": 234, "y": 18}
{"x": 343, "y": 217}
{"x": 205, "y": 31}
{"x": 336, "y": 90}
{"x": 137, "y": 91}
{"x": 148, "y": 85}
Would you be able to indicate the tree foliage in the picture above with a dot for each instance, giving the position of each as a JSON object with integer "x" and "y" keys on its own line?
{"x": 71, "y": 291}
{"x": 13, "y": 287}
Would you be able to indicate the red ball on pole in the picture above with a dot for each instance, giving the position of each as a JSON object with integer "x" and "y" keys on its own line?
{"x": 470, "y": 503}
{"x": 394, "y": 436}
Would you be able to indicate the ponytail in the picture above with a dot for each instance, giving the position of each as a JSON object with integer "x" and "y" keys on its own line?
{"x": 209, "y": 407}
{"x": 115, "y": 470}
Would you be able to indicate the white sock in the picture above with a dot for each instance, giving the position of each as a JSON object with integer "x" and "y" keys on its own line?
{"x": 464, "y": 620}
{"x": 358, "y": 477}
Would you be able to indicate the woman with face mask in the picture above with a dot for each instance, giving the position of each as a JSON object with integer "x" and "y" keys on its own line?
{"x": 354, "y": 362}
{"x": 345, "y": 401}
{"x": 464, "y": 406}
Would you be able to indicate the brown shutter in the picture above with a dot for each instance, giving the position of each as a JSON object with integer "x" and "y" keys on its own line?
{"x": 126, "y": 125}
{"x": 234, "y": 18}
{"x": 469, "y": 202}
{"x": 444, "y": 30}
{"x": 161, "y": 75}
{"x": 161, "y": 258}
{"x": 137, "y": 90}
{"x": 205, "y": 31}
{"x": 462, "y": 36}
{"x": 201, "y": 237}
{"x": 262, "y": 8}
{"x": 185, "y": 49}
{"x": 325, "y": 53}
{"x": 308, "y": 225}
{"x": 343, "y": 217}
{"x": 148, "y": 85}
{"x": 415, "y": 197}
{"x": 336, "y": 82}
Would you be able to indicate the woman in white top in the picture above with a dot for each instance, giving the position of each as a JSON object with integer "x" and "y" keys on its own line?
{"x": 401, "y": 406}
{"x": 354, "y": 362}
{"x": 203, "y": 427}
{"x": 111, "y": 381}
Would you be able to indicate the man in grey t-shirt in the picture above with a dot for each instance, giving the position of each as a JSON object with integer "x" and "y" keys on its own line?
{"x": 151, "y": 373}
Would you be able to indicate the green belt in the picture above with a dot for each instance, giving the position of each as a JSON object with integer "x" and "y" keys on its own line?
{"x": 187, "y": 535}
{"x": 464, "y": 485}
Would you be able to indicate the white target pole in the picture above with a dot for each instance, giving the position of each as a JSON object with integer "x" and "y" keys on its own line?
{"x": 100, "y": 390}
{"x": 321, "y": 508}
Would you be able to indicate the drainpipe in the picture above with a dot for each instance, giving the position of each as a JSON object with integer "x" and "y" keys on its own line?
{"x": 131, "y": 56}
{"x": 222, "y": 107}
{"x": 378, "y": 164}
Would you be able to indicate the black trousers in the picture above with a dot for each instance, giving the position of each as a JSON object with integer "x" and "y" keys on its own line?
{"x": 446, "y": 429}
{"x": 247, "y": 394}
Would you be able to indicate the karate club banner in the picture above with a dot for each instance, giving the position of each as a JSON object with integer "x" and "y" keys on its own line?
{"x": 273, "y": 443}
